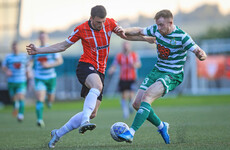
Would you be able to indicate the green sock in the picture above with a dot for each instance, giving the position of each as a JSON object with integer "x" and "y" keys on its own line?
{"x": 21, "y": 107}
{"x": 141, "y": 115}
{"x": 153, "y": 118}
{"x": 39, "y": 110}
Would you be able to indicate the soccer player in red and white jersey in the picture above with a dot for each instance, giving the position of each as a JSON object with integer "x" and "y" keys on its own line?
{"x": 129, "y": 62}
{"x": 95, "y": 37}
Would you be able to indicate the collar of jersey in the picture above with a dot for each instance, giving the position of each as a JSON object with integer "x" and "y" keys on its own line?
{"x": 89, "y": 22}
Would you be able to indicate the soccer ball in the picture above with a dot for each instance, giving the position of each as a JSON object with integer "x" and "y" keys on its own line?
{"x": 118, "y": 128}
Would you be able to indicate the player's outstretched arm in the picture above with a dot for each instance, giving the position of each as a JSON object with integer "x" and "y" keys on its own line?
{"x": 59, "y": 47}
{"x": 200, "y": 54}
{"x": 134, "y": 31}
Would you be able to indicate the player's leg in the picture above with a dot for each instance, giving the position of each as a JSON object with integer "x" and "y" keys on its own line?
{"x": 124, "y": 98}
{"x": 153, "y": 92}
{"x": 12, "y": 93}
{"x": 131, "y": 96}
{"x": 40, "y": 92}
{"x": 20, "y": 96}
{"x": 95, "y": 86}
{"x": 51, "y": 88}
{"x": 72, "y": 124}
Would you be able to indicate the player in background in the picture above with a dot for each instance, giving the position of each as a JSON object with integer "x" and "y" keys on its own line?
{"x": 95, "y": 37}
{"x": 172, "y": 47}
{"x": 44, "y": 77}
{"x": 15, "y": 67}
{"x": 129, "y": 62}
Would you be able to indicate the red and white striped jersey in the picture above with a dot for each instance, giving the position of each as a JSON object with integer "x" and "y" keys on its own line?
{"x": 95, "y": 43}
{"x": 127, "y": 70}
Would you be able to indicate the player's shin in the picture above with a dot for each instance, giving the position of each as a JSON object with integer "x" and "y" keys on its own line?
{"x": 72, "y": 124}
{"x": 89, "y": 104}
{"x": 141, "y": 115}
{"x": 153, "y": 118}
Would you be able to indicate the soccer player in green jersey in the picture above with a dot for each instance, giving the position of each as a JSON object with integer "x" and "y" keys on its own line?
{"x": 172, "y": 46}
{"x": 45, "y": 77}
{"x": 15, "y": 67}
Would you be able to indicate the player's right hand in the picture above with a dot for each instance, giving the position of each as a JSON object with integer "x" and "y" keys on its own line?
{"x": 31, "y": 49}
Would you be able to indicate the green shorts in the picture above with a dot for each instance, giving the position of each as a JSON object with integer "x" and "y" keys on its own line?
{"x": 16, "y": 88}
{"x": 169, "y": 80}
{"x": 48, "y": 85}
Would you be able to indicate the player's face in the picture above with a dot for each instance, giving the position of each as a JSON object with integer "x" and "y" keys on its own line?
{"x": 126, "y": 47}
{"x": 15, "y": 48}
{"x": 164, "y": 25}
{"x": 97, "y": 22}
{"x": 43, "y": 37}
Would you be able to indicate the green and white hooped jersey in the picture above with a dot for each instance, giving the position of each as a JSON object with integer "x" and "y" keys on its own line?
{"x": 39, "y": 71}
{"x": 172, "y": 48}
{"x": 17, "y": 65}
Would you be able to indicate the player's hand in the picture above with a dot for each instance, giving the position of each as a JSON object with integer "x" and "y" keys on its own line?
{"x": 8, "y": 73}
{"x": 120, "y": 32}
{"x": 200, "y": 54}
{"x": 45, "y": 64}
{"x": 31, "y": 49}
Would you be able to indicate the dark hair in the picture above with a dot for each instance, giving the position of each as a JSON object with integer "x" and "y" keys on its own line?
{"x": 163, "y": 13}
{"x": 14, "y": 42}
{"x": 41, "y": 32}
{"x": 98, "y": 11}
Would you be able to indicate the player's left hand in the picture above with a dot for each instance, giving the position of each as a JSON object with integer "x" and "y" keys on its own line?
{"x": 200, "y": 54}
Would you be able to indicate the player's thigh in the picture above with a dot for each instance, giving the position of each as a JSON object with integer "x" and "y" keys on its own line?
{"x": 125, "y": 94}
{"x": 20, "y": 90}
{"x": 94, "y": 113}
{"x": 51, "y": 86}
{"x": 156, "y": 90}
{"x": 137, "y": 99}
{"x": 93, "y": 80}
{"x": 11, "y": 90}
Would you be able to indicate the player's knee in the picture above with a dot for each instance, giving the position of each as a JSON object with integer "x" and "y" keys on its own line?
{"x": 136, "y": 105}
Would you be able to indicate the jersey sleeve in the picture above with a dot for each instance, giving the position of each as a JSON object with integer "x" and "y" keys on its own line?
{"x": 188, "y": 43}
{"x": 137, "y": 58}
{"x": 57, "y": 55}
{"x": 4, "y": 62}
{"x": 74, "y": 36}
{"x": 113, "y": 23}
{"x": 150, "y": 30}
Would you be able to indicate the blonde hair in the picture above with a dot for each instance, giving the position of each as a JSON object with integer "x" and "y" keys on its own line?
{"x": 163, "y": 13}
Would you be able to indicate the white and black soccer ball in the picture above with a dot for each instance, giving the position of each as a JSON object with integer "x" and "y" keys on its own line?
{"x": 118, "y": 128}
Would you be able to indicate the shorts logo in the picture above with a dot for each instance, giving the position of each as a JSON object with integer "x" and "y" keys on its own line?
{"x": 91, "y": 68}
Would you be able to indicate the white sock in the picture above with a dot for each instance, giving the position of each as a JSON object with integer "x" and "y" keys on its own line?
{"x": 132, "y": 131}
{"x": 72, "y": 124}
{"x": 89, "y": 104}
{"x": 125, "y": 108}
{"x": 160, "y": 126}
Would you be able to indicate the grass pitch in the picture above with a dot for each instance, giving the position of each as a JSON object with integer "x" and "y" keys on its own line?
{"x": 201, "y": 123}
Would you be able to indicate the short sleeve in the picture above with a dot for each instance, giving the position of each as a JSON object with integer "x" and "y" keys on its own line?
{"x": 150, "y": 30}
{"x": 188, "y": 43}
{"x": 57, "y": 55}
{"x": 74, "y": 36}
{"x": 112, "y": 23}
{"x": 4, "y": 62}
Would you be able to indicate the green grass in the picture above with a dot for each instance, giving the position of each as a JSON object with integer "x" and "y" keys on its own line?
{"x": 200, "y": 122}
